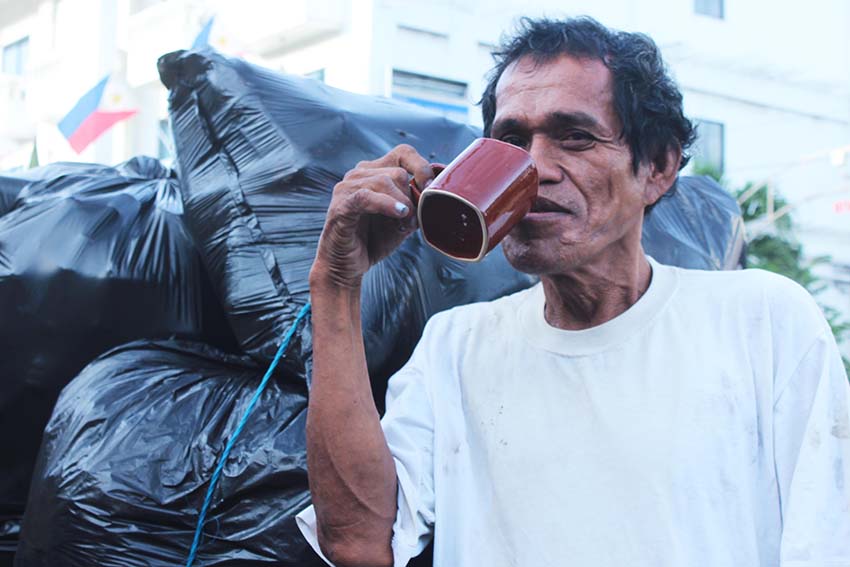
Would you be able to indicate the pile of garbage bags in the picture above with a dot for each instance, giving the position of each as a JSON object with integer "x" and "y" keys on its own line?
{"x": 176, "y": 292}
{"x": 91, "y": 257}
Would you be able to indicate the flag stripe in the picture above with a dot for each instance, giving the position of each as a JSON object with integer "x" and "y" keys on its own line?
{"x": 83, "y": 109}
{"x": 95, "y": 125}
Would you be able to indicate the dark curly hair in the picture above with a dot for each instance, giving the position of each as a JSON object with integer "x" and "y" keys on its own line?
{"x": 646, "y": 99}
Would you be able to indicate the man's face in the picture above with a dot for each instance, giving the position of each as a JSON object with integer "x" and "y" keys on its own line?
{"x": 590, "y": 202}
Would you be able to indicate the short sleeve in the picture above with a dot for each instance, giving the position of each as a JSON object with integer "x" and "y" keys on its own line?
{"x": 408, "y": 426}
{"x": 812, "y": 455}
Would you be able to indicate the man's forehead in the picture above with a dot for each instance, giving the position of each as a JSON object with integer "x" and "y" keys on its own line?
{"x": 591, "y": 72}
{"x": 583, "y": 83}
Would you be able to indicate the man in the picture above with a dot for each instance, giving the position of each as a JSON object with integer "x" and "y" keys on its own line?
{"x": 622, "y": 412}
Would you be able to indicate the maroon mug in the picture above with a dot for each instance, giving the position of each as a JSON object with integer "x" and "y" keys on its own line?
{"x": 473, "y": 202}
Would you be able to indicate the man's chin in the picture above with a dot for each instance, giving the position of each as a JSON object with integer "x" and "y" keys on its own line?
{"x": 541, "y": 257}
{"x": 525, "y": 256}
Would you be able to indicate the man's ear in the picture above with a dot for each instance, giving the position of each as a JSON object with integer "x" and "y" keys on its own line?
{"x": 662, "y": 175}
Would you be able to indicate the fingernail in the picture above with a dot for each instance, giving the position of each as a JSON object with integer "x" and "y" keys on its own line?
{"x": 401, "y": 209}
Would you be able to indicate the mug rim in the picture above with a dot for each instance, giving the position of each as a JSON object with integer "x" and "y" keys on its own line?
{"x": 485, "y": 241}
{"x": 525, "y": 152}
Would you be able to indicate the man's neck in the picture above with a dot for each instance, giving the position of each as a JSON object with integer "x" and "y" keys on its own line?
{"x": 596, "y": 292}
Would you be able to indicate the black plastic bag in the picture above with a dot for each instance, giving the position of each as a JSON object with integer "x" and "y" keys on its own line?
{"x": 10, "y": 188}
{"x": 699, "y": 225}
{"x": 13, "y": 183}
{"x": 91, "y": 257}
{"x": 130, "y": 449}
{"x": 259, "y": 155}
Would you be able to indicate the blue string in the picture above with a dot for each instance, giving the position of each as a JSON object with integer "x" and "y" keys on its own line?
{"x": 217, "y": 473}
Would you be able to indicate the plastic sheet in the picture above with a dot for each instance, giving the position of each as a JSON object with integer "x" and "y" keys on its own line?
{"x": 90, "y": 257}
{"x": 259, "y": 155}
{"x": 12, "y": 183}
{"x": 10, "y": 187}
{"x": 698, "y": 226}
{"x": 129, "y": 451}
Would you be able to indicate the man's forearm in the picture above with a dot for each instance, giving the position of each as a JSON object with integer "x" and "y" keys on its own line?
{"x": 352, "y": 475}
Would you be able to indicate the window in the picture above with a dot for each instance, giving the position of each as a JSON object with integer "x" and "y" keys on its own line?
{"x": 445, "y": 97}
{"x": 713, "y": 8}
{"x": 708, "y": 149}
{"x": 15, "y": 57}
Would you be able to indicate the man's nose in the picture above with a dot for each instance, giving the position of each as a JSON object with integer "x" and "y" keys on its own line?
{"x": 546, "y": 158}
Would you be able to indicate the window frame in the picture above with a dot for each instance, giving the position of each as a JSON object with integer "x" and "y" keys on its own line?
{"x": 18, "y": 52}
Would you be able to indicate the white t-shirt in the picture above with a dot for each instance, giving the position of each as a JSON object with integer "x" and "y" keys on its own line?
{"x": 705, "y": 426}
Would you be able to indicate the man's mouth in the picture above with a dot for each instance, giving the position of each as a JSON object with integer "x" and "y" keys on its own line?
{"x": 544, "y": 205}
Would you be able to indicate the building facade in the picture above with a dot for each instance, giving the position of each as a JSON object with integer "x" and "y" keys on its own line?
{"x": 768, "y": 83}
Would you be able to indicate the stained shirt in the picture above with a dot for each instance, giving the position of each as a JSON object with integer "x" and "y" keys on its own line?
{"x": 706, "y": 425}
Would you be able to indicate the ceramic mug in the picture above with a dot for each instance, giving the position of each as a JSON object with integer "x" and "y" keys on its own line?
{"x": 474, "y": 201}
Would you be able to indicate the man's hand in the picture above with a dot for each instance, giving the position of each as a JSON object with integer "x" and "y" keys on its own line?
{"x": 370, "y": 214}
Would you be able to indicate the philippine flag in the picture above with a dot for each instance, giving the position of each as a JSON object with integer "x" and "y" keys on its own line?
{"x": 95, "y": 113}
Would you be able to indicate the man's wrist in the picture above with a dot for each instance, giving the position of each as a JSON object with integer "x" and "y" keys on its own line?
{"x": 330, "y": 294}
{"x": 325, "y": 281}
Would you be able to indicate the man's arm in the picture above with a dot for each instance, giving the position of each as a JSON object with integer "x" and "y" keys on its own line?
{"x": 352, "y": 473}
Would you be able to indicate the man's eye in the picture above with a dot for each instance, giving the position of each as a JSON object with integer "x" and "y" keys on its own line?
{"x": 514, "y": 140}
{"x": 577, "y": 140}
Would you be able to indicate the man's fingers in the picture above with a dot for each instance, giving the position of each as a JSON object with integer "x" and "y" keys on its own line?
{"x": 398, "y": 175}
{"x": 415, "y": 164}
{"x": 381, "y": 186}
{"x": 406, "y": 157}
{"x": 366, "y": 201}
{"x": 389, "y": 181}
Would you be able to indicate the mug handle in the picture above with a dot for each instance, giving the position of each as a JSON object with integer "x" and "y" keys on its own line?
{"x": 415, "y": 191}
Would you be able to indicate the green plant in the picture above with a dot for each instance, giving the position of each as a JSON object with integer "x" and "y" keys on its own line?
{"x": 775, "y": 247}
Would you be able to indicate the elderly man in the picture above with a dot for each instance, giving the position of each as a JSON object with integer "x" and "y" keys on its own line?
{"x": 622, "y": 412}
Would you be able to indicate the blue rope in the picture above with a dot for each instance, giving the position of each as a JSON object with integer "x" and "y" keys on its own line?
{"x": 217, "y": 473}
